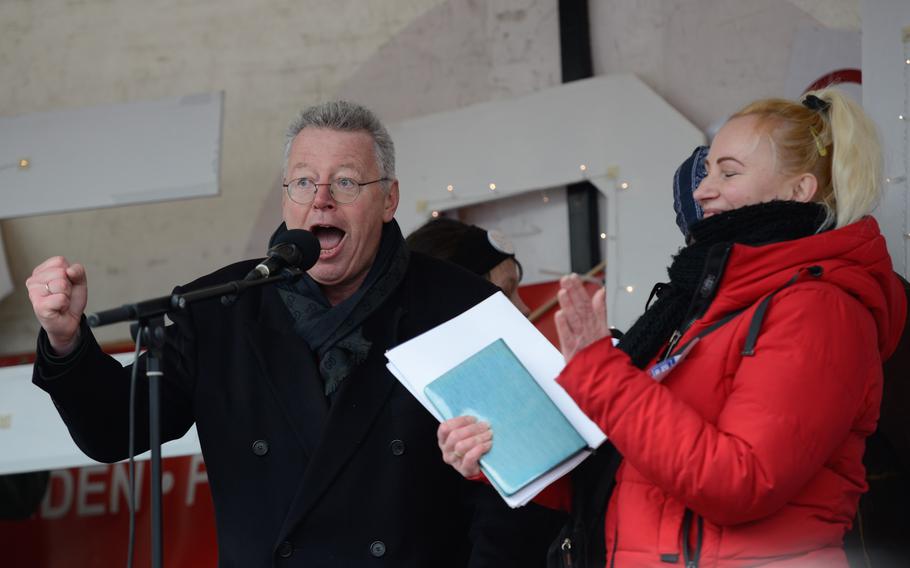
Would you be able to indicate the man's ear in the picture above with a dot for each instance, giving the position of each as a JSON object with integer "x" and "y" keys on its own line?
{"x": 804, "y": 188}
{"x": 390, "y": 205}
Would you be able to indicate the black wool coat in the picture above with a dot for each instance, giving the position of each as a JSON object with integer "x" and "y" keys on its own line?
{"x": 297, "y": 481}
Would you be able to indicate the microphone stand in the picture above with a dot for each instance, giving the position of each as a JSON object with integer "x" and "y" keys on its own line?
{"x": 149, "y": 318}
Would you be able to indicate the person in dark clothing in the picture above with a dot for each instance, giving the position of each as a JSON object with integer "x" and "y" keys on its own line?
{"x": 21, "y": 494}
{"x": 316, "y": 455}
{"x": 486, "y": 253}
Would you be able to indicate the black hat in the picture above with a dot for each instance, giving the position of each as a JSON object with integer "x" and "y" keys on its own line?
{"x": 469, "y": 246}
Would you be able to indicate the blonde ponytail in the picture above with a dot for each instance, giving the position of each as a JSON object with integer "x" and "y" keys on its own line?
{"x": 857, "y": 161}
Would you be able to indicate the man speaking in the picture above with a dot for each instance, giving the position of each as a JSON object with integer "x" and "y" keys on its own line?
{"x": 316, "y": 455}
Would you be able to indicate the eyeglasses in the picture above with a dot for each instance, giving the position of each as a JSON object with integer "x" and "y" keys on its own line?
{"x": 343, "y": 190}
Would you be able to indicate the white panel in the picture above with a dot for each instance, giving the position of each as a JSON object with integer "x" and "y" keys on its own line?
{"x": 110, "y": 155}
{"x": 34, "y": 437}
{"x": 616, "y": 126}
{"x": 886, "y": 96}
{"x": 6, "y": 283}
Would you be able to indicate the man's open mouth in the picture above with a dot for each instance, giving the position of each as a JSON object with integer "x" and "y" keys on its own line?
{"x": 329, "y": 237}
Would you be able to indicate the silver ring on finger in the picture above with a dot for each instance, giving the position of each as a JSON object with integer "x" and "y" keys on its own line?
{"x": 47, "y": 286}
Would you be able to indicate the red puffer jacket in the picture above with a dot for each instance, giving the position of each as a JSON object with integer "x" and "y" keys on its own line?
{"x": 753, "y": 460}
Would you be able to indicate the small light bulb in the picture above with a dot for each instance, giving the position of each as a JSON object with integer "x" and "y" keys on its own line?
{"x": 492, "y": 187}
{"x": 624, "y": 185}
{"x": 630, "y": 289}
{"x": 887, "y": 180}
{"x": 900, "y": 117}
{"x": 435, "y": 214}
{"x": 583, "y": 168}
{"x": 450, "y": 187}
{"x": 907, "y": 61}
{"x": 24, "y": 164}
{"x": 603, "y": 236}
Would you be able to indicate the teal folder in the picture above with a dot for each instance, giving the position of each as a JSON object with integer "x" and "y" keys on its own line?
{"x": 530, "y": 433}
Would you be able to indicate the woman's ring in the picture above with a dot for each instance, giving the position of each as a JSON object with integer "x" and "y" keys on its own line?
{"x": 458, "y": 455}
{"x": 47, "y": 286}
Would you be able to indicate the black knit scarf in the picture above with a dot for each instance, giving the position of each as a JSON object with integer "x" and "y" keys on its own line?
{"x": 335, "y": 333}
{"x": 754, "y": 225}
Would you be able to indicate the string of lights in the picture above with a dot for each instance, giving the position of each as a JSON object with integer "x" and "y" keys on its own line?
{"x": 454, "y": 197}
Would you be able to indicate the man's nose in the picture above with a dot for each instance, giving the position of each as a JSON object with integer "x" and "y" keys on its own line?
{"x": 323, "y": 198}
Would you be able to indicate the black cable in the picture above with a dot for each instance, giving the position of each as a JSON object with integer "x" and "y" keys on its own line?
{"x": 132, "y": 466}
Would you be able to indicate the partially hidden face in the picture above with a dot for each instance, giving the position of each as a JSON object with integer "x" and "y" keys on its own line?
{"x": 348, "y": 234}
{"x": 742, "y": 170}
{"x": 506, "y": 276}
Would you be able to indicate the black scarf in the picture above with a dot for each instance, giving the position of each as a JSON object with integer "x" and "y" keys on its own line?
{"x": 335, "y": 333}
{"x": 754, "y": 225}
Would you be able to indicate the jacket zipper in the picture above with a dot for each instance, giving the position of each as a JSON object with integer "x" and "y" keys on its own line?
{"x": 692, "y": 561}
{"x": 715, "y": 265}
{"x": 674, "y": 339}
{"x": 566, "y": 548}
{"x": 615, "y": 544}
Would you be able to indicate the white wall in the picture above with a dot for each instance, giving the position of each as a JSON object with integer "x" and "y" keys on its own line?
{"x": 459, "y": 53}
{"x": 886, "y": 96}
{"x": 403, "y": 57}
{"x": 271, "y": 58}
{"x": 709, "y": 57}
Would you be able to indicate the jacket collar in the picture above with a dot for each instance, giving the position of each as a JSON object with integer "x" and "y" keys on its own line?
{"x": 290, "y": 370}
{"x": 854, "y": 258}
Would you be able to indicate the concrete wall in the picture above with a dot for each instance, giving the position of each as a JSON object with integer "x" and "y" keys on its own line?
{"x": 886, "y": 91}
{"x": 710, "y": 57}
{"x": 403, "y": 57}
{"x": 270, "y": 57}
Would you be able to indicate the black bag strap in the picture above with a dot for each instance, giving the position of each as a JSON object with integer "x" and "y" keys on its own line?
{"x": 757, "y": 318}
{"x": 708, "y": 330}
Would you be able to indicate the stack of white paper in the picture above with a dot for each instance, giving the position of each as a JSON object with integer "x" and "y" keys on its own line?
{"x": 421, "y": 360}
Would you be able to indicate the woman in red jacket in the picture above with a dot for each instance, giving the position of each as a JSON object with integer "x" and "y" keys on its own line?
{"x": 749, "y": 450}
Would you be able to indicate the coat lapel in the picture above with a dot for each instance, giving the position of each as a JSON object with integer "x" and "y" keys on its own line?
{"x": 354, "y": 411}
{"x": 290, "y": 371}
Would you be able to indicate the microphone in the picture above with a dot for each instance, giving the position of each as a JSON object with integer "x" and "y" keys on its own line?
{"x": 293, "y": 248}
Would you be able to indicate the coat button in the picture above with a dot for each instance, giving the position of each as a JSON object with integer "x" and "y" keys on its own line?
{"x": 397, "y": 447}
{"x": 260, "y": 447}
{"x": 285, "y": 549}
{"x": 377, "y": 549}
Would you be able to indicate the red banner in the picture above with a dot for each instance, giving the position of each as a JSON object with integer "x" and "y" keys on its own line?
{"x": 83, "y": 520}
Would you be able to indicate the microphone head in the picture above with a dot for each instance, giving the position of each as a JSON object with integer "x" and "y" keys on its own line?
{"x": 305, "y": 250}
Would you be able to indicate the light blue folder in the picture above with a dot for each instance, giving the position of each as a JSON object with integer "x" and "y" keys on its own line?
{"x": 530, "y": 434}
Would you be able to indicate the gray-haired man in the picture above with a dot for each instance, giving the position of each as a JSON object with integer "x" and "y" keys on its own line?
{"x": 316, "y": 455}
